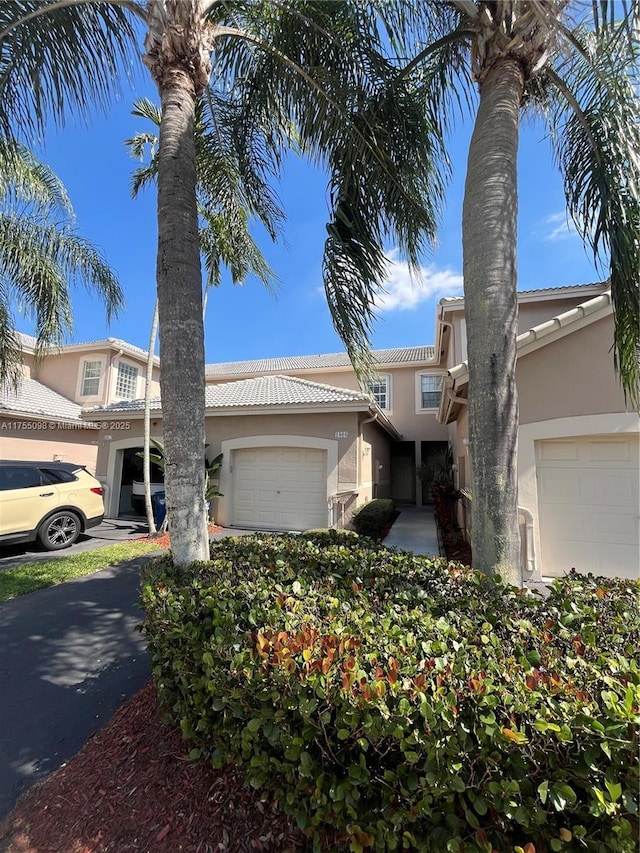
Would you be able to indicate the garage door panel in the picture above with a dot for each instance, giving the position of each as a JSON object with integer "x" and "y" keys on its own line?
{"x": 560, "y": 486}
{"x": 617, "y": 528}
{"x": 609, "y": 451}
{"x": 280, "y": 488}
{"x": 556, "y": 451}
{"x": 588, "y": 499}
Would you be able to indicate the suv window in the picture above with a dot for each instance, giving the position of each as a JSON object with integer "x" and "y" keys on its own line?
{"x": 58, "y": 475}
{"x": 19, "y": 477}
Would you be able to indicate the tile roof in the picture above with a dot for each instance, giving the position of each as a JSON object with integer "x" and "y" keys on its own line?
{"x": 29, "y": 342}
{"x": 261, "y": 391}
{"x": 277, "y": 391}
{"x": 34, "y": 398}
{"x": 447, "y": 300}
{"x": 26, "y": 341}
{"x": 399, "y": 355}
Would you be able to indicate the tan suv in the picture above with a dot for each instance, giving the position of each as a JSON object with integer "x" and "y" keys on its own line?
{"x": 52, "y": 502}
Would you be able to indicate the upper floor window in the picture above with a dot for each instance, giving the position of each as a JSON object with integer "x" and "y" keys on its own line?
{"x": 379, "y": 390}
{"x": 126, "y": 381}
{"x": 91, "y": 378}
{"x": 430, "y": 391}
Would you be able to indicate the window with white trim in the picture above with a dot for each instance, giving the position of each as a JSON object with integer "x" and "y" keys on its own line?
{"x": 126, "y": 381}
{"x": 430, "y": 391}
{"x": 91, "y": 378}
{"x": 379, "y": 390}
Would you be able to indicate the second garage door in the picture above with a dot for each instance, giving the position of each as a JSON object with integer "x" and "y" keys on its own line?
{"x": 280, "y": 488}
{"x": 588, "y": 505}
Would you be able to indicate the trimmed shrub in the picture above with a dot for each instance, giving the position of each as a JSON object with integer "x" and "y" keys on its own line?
{"x": 373, "y": 518}
{"x": 403, "y": 702}
{"x": 330, "y": 536}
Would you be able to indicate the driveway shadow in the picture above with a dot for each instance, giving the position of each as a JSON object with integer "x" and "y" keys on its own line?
{"x": 110, "y": 531}
{"x": 71, "y": 654}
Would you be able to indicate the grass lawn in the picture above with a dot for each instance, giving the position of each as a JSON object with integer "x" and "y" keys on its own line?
{"x": 43, "y": 573}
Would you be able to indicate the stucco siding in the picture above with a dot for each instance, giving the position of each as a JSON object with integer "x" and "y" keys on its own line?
{"x": 63, "y": 373}
{"x": 570, "y": 377}
{"x": 533, "y": 313}
{"x": 19, "y": 441}
{"x": 375, "y": 478}
{"x": 320, "y": 426}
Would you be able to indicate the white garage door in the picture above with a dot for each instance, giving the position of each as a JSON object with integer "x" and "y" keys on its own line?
{"x": 280, "y": 488}
{"x": 588, "y": 505}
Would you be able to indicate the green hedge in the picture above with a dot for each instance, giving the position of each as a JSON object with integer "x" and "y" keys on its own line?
{"x": 406, "y": 703}
{"x": 373, "y": 518}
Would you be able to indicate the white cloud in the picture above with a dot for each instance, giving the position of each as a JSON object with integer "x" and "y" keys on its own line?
{"x": 559, "y": 227}
{"x": 403, "y": 290}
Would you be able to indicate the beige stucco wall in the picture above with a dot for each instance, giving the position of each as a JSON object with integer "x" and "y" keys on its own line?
{"x": 219, "y": 429}
{"x": 63, "y": 373}
{"x": 375, "y": 465}
{"x": 405, "y": 415}
{"x": 20, "y": 440}
{"x": 540, "y": 310}
{"x": 572, "y": 376}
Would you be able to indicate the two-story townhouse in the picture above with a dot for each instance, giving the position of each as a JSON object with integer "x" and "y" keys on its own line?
{"x": 303, "y": 444}
{"x": 578, "y": 440}
{"x": 41, "y": 418}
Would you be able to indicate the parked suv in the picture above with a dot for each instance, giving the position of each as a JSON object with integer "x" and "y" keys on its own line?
{"x": 51, "y": 502}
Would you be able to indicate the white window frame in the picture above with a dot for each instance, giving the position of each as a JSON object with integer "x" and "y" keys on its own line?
{"x": 419, "y": 377}
{"x": 82, "y": 377}
{"x": 379, "y": 379}
{"x": 126, "y": 368}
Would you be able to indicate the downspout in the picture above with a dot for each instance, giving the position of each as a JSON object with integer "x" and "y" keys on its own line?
{"x": 529, "y": 542}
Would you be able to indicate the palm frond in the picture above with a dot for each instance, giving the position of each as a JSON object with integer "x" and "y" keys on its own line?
{"x": 229, "y": 242}
{"x": 26, "y": 180}
{"x": 56, "y": 65}
{"x": 595, "y": 112}
{"x": 38, "y": 264}
{"x": 229, "y": 193}
{"x": 318, "y": 72}
{"x": 10, "y": 348}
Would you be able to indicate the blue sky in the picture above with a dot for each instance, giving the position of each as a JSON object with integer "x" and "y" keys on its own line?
{"x": 248, "y": 322}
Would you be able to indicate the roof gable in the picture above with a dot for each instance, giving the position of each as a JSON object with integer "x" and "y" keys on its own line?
{"x": 457, "y": 378}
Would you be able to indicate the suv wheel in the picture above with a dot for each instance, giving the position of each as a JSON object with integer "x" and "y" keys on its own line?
{"x": 59, "y": 531}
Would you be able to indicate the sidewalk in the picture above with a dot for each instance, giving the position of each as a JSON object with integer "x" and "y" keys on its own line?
{"x": 415, "y": 530}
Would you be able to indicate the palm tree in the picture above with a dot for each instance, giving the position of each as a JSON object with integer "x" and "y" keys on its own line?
{"x": 581, "y": 78}
{"x": 223, "y": 207}
{"x": 41, "y": 254}
{"x": 274, "y": 70}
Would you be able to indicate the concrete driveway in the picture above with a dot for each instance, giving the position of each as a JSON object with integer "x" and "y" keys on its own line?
{"x": 111, "y": 530}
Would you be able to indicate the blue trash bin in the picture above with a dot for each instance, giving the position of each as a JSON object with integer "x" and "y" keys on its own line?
{"x": 159, "y": 504}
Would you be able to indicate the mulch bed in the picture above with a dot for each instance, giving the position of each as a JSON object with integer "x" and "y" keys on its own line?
{"x": 163, "y": 540}
{"x": 133, "y": 788}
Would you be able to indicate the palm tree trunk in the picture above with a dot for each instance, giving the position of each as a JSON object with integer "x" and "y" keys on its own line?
{"x": 179, "y": 283}
{"x": 146, "y": 449}
{"x": 489, "y": 230}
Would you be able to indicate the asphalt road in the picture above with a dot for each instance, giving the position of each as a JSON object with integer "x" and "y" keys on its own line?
{"x": 69, "y": 656}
